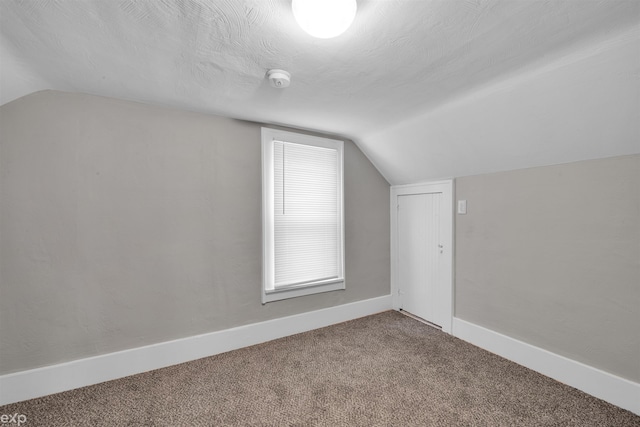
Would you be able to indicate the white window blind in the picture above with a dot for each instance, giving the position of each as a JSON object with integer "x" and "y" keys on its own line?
{"x": 302, "y": 215}
{"x": 307, "y": 223}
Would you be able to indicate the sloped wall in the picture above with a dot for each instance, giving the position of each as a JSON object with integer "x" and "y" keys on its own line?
{"x": 584, "y": 105}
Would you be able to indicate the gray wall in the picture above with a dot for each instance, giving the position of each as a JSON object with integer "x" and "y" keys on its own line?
{"x": 551, "y": 256}
{"x": 123, "y": 224}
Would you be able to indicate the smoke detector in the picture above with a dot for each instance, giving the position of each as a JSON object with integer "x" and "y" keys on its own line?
{"x": 279, "y": 78}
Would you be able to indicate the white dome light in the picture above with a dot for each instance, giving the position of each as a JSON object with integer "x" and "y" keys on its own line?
{"x": 324, "y": 18}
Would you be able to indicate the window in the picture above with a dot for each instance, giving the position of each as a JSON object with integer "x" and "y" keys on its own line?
{"x": 302, "y": 215}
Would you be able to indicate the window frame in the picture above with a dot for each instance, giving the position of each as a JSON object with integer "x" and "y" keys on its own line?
{"x": 269, "y": 292}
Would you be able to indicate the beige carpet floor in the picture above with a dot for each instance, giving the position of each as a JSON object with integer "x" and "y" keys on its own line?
{"x": 381, "y": 370}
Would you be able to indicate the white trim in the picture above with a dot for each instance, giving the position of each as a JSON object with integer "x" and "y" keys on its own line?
{"x": 446, "y": 188}
{"x": 83, "y": 372}
{"x": 420, "y": 187}
{"x": 603, "y": 385}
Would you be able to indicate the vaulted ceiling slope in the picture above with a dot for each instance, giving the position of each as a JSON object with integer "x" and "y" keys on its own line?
{"x": 428, "y": 89}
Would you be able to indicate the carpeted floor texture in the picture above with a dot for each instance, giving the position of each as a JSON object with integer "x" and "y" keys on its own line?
{"x": 381, "y": 370}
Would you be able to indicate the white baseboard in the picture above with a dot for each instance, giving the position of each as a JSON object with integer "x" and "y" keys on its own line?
{"x": 603, "y": 385}
{"x": 38, "y": 382}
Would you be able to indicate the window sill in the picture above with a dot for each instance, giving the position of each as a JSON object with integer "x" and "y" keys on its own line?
{"x": 293, "y": 292}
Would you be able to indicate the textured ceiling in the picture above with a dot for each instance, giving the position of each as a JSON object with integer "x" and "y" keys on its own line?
{"x": 399, "y": 58}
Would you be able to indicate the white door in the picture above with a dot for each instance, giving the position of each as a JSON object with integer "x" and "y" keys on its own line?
{"x": 420, "y": 255}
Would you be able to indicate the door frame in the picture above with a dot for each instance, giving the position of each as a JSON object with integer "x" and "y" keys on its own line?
{"x": 446, "y": 188}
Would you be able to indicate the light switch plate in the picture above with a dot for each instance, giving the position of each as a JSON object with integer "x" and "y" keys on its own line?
{"x": 462, "y": 207}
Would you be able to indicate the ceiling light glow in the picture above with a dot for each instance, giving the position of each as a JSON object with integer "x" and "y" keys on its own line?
{"x": 324, "y": 18}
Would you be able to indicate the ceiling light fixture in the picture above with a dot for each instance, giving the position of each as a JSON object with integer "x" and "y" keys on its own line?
{"x": 324, "y": 18}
